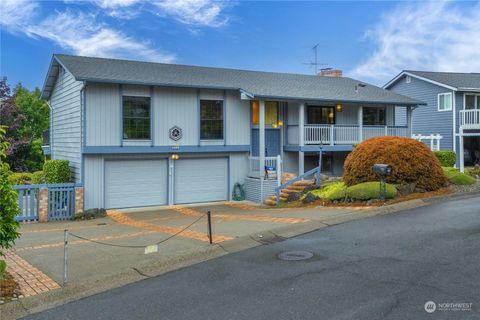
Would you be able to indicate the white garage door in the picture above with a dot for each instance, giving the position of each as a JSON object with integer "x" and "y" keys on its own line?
{"x": 135, "y": 183}
{"x": 201, "y": 180}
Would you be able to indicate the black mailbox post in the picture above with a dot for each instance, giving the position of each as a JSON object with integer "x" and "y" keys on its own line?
{"x": 382, "y": 170}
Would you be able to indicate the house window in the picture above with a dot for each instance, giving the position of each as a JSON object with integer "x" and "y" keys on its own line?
{"x": 320, "y": 115}
{"x": 271, "y": 113}
{"x": 472, "y": 102}
{"x": 136, "y": 118}
{"x": 408, "y": 79}
{"x": 211, "y": 119}
{"x": 445, "y": 101}
{"x": 374, "y": 116}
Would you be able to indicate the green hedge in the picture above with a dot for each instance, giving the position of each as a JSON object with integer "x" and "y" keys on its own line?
{"x": 370, "y": 190}
{"x": 38, "y": 177}
{"x": 20, "y": 178}
{"x": 331, "y": 191}
{"x": 446, "y": 158}
{"x": 57, "y": 171}
{"x": 456, "y": 177}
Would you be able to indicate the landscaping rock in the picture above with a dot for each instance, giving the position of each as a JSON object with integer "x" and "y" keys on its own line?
{"x": 294, "y": 196}
{"x": 310, "y": 198}
{"x": 405, "y": 189}
{"x": 420, "y": 190}
{"x": 94, "y": 213}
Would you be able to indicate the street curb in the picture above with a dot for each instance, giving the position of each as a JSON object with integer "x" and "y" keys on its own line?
{"x": 72, "y": 292}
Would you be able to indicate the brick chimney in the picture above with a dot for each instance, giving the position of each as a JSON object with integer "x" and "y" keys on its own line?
{"x": 330, "y": 72}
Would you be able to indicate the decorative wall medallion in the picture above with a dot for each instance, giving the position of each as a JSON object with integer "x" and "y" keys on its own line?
{"x": 175, "y": 133}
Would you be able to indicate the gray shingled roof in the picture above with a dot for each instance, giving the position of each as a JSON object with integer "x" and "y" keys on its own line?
{"x": 454, "y": 79}
{"x": 255, "y": 83}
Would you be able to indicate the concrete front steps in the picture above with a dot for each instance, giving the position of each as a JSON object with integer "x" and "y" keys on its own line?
{"x": 298, "y": 186}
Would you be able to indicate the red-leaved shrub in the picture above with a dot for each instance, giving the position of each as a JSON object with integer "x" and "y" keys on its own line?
{"x": 411, "y": 161}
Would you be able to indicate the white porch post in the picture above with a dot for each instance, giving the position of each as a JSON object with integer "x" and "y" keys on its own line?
{"x": 360, "y": 124}
{"x": 301, "y": 138}
{"x": 409, "y": 122}
{"x": 261, "y": 145}
{"x": 461, "y": 149}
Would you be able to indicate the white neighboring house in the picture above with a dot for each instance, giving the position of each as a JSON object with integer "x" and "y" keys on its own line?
{"x": 142, "y": 134}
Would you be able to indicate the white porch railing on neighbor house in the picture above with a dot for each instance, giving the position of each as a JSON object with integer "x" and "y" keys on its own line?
{"x": 273, "y": 165}
{"x": 434, "y": 140}
{"x": 470, "y": 118}
{"x": 347, "y": 134}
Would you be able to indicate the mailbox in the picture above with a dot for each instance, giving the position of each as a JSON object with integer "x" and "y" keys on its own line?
{"x": 382, "y": 169}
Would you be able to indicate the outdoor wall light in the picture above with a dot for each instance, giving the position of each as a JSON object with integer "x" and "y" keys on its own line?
{"x": 275, "y": 125}
{"x": 175, "y": 156}
{"x": 280, "y": 123}
{"x": 339, "y": 107}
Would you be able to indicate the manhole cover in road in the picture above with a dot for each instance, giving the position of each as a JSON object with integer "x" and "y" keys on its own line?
{"x": 295, "y": 255}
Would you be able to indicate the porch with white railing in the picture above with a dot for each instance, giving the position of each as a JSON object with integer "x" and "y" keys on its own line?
{"x": 470, "y": 119}
{"x": 272, "y": 168}
{"x": 344, "y": 134}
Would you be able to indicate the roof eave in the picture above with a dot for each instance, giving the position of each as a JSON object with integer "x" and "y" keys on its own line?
{"x": 395, "y": 79}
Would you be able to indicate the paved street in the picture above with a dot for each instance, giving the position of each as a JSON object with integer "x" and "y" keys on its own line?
{"x": 384, "y": 267}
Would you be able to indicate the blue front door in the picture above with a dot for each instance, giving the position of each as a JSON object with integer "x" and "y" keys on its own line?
{"x": 272, "y": 142}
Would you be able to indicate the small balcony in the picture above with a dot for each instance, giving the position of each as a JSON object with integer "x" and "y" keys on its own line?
{"x": 470, "y": 119}
{"x": 342, "y": 134}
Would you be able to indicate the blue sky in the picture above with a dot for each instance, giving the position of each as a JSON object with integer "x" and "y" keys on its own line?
{"x": 371, "y": 41}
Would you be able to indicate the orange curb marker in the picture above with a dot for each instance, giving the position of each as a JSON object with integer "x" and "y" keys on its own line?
{"x": 60, "y": 244}
{"x": 123, "y": 219}
{"x": 237, "y": 217}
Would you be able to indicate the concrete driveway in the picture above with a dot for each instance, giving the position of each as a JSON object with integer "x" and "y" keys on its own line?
{"x": 90, "y": 263}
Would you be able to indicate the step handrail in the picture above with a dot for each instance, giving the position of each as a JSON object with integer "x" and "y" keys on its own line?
{"x": 314, "y": 171}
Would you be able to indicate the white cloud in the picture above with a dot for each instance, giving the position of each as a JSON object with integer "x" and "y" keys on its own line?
{"x": 434, "y": 36}
{"x": 14, "y": 13}
{"x": 193, "y": 12}
{"x": 79, "y": 33}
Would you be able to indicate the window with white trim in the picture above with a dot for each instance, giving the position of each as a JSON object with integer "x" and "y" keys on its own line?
{"x": 445, "y": 101}
{"x": 408, "y": 79}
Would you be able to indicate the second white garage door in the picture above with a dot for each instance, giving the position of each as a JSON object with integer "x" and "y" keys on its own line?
{"x": 201, "y": 180}
{"x": 135, "y": 183}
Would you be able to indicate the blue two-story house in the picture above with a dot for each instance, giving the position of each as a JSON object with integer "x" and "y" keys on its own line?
{"x": 143, "y": 134}
{"x": 452, "y": 109}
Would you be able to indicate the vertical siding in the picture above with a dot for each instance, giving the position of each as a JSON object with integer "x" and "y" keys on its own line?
{"x": 136, "y": 91}
{"x": 238, "y": 119}
{"x": 290, "y": 162}
{"x": 103, "y": 115}
{"x": 427, "y": 119}
{"x": 348, "y": 116}
{"x": 66, "y": 123}
{"x": 94, "y": 178}
{"x": 238, "y": 169}
{"x": 176, "y": 107}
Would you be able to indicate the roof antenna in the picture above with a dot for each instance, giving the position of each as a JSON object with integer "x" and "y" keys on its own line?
{"x": 315, "y": 63}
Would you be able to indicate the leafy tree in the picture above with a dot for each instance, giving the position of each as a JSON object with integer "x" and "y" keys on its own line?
{"x": 27, "y": 116}
{"x": 12, "y": 118}
{"x": 35, "y": 111}
{"x": 8, "y": 201}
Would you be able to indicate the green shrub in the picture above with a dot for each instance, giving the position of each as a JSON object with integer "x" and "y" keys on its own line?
{"x": 370, "y": 190}
{"x": 446, "y": 158}
{"x": 331, "y": 191}
{"x": 473, "y": 172}
{"x": 3, "y": 268}
{"x": 38, "y": 177}
{"x": 20, "y": 178}
{"x": 456, "y": 177}
{"x": 57, "y": 171}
